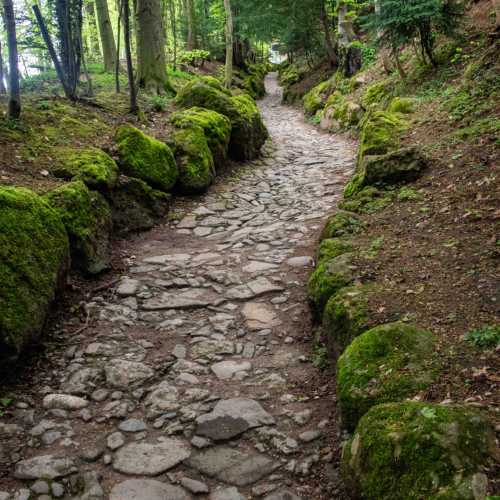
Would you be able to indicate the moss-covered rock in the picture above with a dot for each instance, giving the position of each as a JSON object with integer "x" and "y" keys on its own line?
{"x": 328, "y": 278}
{"x": 341, "y": 224}
{"x": 135, "y": 206}
{"x": 388, "y": 363}
{"x": 377, "y": 94}
{"x": 195, "y": 160}
{"x": 146, "y": 158}
{"x": 333, "y": 247}
{"x": 414, "y": 451}
{"x": 34, "y": 257}
{"x": 340, "y": 113}
{"x": 317, "y": 97}
{"x": 217, "y": 129}
{"x": 90, "y": 165}
{"x": 402, "y": 105}
{"x": 248, "y": 133}
{"x": 346, "y": 316}
{"x": 87, "y": 218}
{"x": 367, "y": 201}
{"x": 215, "y": 83}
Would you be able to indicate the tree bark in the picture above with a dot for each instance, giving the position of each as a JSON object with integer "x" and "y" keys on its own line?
{"x": 496, "y": 7}
{"x": 330, "y": 49}
{"x": 3, "y": 90}
{"x": 151, "y": 59}
{"x": 229, "y": 43}
{"x": 106, "y": 33}
{"x": 14, "y": 92}
{"x": 173, "y": 22}
{"x": 350, "y": 56}
{"x": 93, "y": 38}
{"x": 191, "y": 36}
{"x": 130, "y": 70}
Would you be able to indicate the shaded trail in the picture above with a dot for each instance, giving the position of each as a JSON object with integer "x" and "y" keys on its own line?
{"x": 194, "y": 367}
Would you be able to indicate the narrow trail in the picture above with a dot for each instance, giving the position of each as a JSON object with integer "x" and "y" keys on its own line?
{"x": 194, "y": 375}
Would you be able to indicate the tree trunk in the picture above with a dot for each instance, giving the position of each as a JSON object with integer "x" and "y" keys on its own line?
{"x": 117, "y": 58}
{"x": 349, "y": 55}
{"x": 386, "y": 62}
{"x": 173, "y": 22}
{"x": 106, "y": 33}
{"x": 229, "y": 43}
{"x": 3, "y": 90}
{"x": 93, "y": 46}
{"x": 330, "y": 49}
{"x": 496, "y": 7}
{"x": 14, "y": 93}
{"x": 130, "y": 70}
{"x": 151, "y": 60}
{"x": 191, "y": 36}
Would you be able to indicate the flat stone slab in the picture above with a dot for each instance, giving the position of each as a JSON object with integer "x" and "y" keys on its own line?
{"x": 226, "y": 370}
{"x": 226, "y": 494}
{"x": 259, "y": 316}
{"x": 191, "y": 299}
{"x": 150, "y": 489}
{"x": 121, "y": 373}
{"x": 176, "y": 258}
{"x": 304, "y": 261}
{"x": 128, "y": 287}
{"x": 257, "y": 266}
{"x": 282, "y": 495}
{"x": 150, "y": 459}
{"x": 222, "y": 427}
{"x": 44, "y": 466}
{"x": 211, "y": 348}
{"x": 232, "y": 466}
{"x": 64, "y": 402}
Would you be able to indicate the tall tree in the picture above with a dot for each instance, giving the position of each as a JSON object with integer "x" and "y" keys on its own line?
{"x": 191, "y": 33}
{"x": 14, "y": 93}
{"x": 350, "y": 56}
{"x": 92, "y": 32}
{"x": 125, "y": 8}
{"x": 106, "y": 33}
{"x": 151, "y": 59}
{"x": 229, "y": 43}
{"x": 3, "y": 90}
{"x": 325, "y": 21}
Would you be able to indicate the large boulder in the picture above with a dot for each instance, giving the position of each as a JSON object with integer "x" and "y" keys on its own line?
{"x": 34, "y": 258}
{"x": 145, "y": 158}
{"x": 328, "y": 278}
{"x": 388, "y": 363}
{"x": 195, "y": 160}
{"x": 248, "y": 133}
{"x": 90, "y": 165}
{"x": 217, "y": 129}
{"x": 317, "y": 97}
{"x": 135, "y": 206}
{"x": 412, "y": 451}
{"x": 87, "y": 218}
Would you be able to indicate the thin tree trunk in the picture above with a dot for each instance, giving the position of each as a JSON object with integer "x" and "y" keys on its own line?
{"x": 14, "y": 92}
{"x": 117, "y": 59}
{"x": 399, "y": 66}
{"x": 191, "y": 36}
{"x": 173, "y": 22}
{"x": 106, "y": 33}
{"x": 229, "y": 43}
{"x": 3, "y": 90}
{"x": 130, "y": 70}
{"x": 330, "y": 49}
{"x": 94, "y": 49}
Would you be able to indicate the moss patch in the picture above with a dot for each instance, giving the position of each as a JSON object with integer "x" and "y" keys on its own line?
{"x": 91, "y": 165}
{"x": 377, "y": 94}
{"x": 34, "y": 255}
{"x": 341, "y": 224}
{"x": 333, "y": 247}
{"x": 411, "y": 451}
{"x": 385, "y": 364}
{"x": 146, "y": 158}
{"x": 217, "y": 129}
{"x": 317, "y": 97}
{"x": 402, "y": 105}
{"x": 367, "y": 201}
{"x": 87, "y": 218}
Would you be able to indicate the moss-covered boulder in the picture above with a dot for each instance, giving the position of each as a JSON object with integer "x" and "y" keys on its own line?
{"x": 215, "y": 83}
{"x": 340, "y": 113}
{"x": 87, "y": 218}
{"x": 346, "y": 316}
{"x": 330, "y": 248}
{"x": 367, "y": 201}
{"x": 248, "y": 133}
{"x": 146, "y": 158}
{"x": 328, "y": 278}
{"x": 135, "y": 206}
{"x": 400, "y": 166}
{"x": 342, "y": 224}
{"x": 414, "y": 451}
{"x": 217, "y": 129}
{"x": 195, "y": 160}
{"x": 377, "y": 94}
{"x": 91, "y": 165}
{"x": 34, "y": 258}
{"x": 404, "y": 105}
{"x": 317, "y": 97}
{"x": 388, "y": 363}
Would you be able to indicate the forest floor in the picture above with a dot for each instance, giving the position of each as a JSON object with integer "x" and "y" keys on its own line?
{"x": 198, "y": 359}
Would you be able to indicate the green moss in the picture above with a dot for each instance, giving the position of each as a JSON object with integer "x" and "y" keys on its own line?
{"x": 217, "y": 129}
{"x": 328, "y": 278}
{"x": 136, "y": 206}
{"x": 385, "y": 364}
{"x": 146, "y": 158}
{"x": 341, "y": 224}
{"x": 216, "y": 84}
{"x": 377, "y": 94}
{"x": 87, "y": 218}
{"x": 412, "y": 451}
{"x": 91, "y": 165}
{"x": 317, "y": 97}
{"x": 402, "y": 105}
{"x": 199, "y": 93}
{"x": 346, "y": 316}
{"x": 333, "y": 247}
{"x": 367, "y": 201}
{"x": 196, "y": 163}
{"x": 34, "y": 255}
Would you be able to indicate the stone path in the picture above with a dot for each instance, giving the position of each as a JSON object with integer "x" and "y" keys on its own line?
{"x": 189, "y": 381}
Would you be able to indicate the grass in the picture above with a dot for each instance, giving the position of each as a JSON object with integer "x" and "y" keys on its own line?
{"x": 485, "y": 337}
